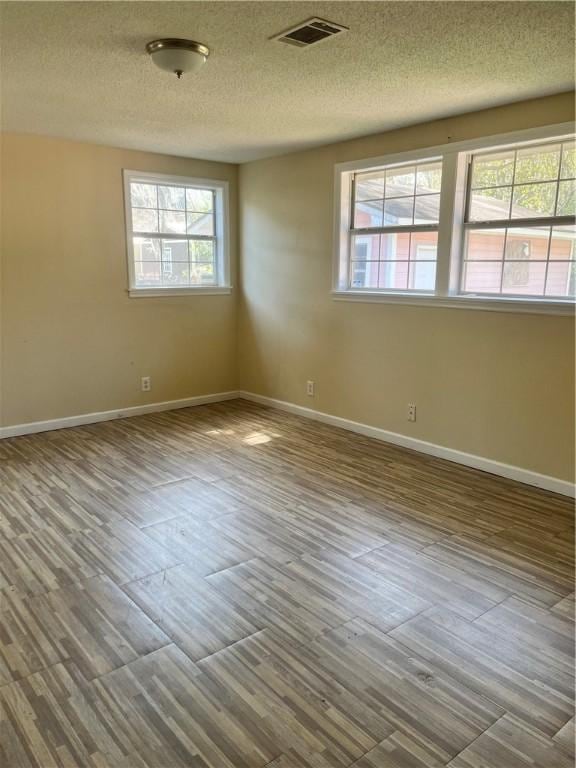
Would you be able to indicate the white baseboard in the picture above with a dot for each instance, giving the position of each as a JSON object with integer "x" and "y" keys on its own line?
{"x": 122, "y": 413}
{"x": 468, "y": 459}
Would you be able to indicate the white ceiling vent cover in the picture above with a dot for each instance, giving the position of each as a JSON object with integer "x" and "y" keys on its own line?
{"x": 310, "y": 32}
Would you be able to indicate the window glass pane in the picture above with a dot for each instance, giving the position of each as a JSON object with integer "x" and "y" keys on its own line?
{"x": 490, "y": 204}
{"x": 530, "y": 184}
{"x": 364, "y": 274}
{"x": 428, "y": 178}
{"x": 393, "y": 275}
{"x": 524, "y": 269}
{"x": 400, "y": 182}
{"x": 399, "y": 210}
{"x": 366, "y": 247}
{"x": 199, "y": 200}
{"x": 422, "y": 276}
{"x": 396, "y": 251}
{"x": 370, "y": 186}
{"x": 174, "y": 250}
{"x": 524, "y": 277}
{"x": 173, "y": 222}
{"x": 482, "y": 276}
{"x": 561, "y": 279}
{"x": 172, "y": 198}
{"x": 537, "y": 163}
{"x": 566, "y": 198}
{"x": 385, "y": 198}
{"x": 147, "y": 274}
{"x": 423, "y": 246}
{"x": 200, "y": 223}
{"x": 485, "y": 244}
{"x": 563, "y": 243}
{"x": 368, "y": 214}
{"x": 568, "y": 160}
{"x": 143, "y": 195}
{"x": 532, "y": 200}
{"x": 144, "y": 220}
{"x": 146, "y": 249}
{"x": 201, "y": 250}
{"x": 395, "y": 246}
{"x": 175, "y": 274}
{"x": 527, "y": 244}
{"x": 427, "y": 209}
{"x": 202, "y": 273}
{"x": 493, "y": 170}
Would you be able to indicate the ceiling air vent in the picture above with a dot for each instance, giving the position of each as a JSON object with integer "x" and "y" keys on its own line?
{"x": 310, "y": 32}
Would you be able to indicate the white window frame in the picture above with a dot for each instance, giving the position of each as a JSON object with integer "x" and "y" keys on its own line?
{"x": 221, "y": 228}
{"x": 451, "y": 229}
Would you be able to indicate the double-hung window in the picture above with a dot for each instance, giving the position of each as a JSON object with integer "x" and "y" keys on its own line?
{"x": 177, "y": 234}
{"x": 394, "y": 227}
{"x": 520, "y": 222}
{"x": 486, "y": 224}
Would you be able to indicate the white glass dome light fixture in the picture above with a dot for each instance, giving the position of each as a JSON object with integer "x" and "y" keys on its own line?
{"x": 178, "y": 56}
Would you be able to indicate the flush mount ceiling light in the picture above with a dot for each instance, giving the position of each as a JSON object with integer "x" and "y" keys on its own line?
{"x": 178, "y": 56}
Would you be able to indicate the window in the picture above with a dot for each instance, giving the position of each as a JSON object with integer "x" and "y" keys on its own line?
{"x": 519, "y": 239}
{"x": 395, "y": 212}
{"x": 471, "y": 225}
{"x": 177, "y": 234}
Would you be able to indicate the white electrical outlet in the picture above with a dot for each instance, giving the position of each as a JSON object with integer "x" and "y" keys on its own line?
{"x": 310, "y": 388}
{"x": 145, "y": 383}
{"x": 411, "y": 412}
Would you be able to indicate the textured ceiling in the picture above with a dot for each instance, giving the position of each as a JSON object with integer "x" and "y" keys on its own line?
{"x": 79, "y": 70}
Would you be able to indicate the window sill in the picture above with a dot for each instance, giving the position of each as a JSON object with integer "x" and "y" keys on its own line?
{"x": 213, "y": 290}
{"x": 461, "y": 302}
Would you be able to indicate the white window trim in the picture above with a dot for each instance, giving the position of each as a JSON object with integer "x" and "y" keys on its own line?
{"x": 222, "y": 230}
{"x": 450, "y": 230}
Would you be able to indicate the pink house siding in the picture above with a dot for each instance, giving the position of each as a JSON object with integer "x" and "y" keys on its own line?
{"x": 524, "y": 269}
{"x": 389, "y": 260}
{"x": 405, "y": 260}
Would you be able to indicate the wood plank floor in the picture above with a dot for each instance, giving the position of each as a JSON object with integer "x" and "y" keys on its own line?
{"x": 234, "y": 587}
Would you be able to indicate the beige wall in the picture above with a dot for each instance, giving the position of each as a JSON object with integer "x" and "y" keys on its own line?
{"x": 73, "y": 342}
{"x": 497, "y": 385}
